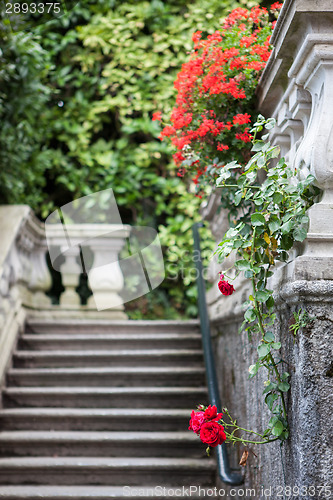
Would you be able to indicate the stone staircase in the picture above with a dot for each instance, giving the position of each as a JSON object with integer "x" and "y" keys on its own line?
{"x": 92, "y": 407}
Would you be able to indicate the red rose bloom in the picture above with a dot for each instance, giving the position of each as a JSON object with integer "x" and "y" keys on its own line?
{"x": 211, "y": 413}
{"x": 212, "y": 433}
{"x": 225, "y": 287}
{"x": 197, "y": 419}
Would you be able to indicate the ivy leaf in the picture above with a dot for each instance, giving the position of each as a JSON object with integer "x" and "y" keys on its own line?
{"x": 258, "y": 219}
{"x": 276, "y": 345}
{"x": 285, "y": 375}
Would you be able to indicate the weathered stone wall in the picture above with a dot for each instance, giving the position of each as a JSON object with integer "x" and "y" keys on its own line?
{"x": 297, "y": 89}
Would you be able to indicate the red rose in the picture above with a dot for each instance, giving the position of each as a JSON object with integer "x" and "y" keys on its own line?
{"x": 225, "y": 287}
{"x": 212, "y": 433}
{"x": 211, "y": 413}
{"x": 197, "y": 419}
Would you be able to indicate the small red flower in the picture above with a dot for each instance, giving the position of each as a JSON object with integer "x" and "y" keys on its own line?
{"x": 276, "y": 6}
{"x": 196, "y": 421}
{"x": 225, "y": 287}
{"x": 211, "y": 413}
{"x": 241, "y": 119}
{"x": 222, "y": 147}
{"x": 157, "y": 116}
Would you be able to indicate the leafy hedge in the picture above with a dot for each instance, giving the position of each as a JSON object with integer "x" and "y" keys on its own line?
{"x": 76, "y": 101}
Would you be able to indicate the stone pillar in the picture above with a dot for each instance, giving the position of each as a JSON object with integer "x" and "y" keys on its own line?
{"x": 297, "y": 89}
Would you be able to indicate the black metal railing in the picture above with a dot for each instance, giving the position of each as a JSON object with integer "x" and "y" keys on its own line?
{"x": 225, "y": 473}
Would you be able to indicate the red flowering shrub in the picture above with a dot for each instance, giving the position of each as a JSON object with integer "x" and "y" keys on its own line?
{"x": 215, "y": 101}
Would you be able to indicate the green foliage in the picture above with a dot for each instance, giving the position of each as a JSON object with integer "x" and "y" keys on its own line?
{"x": 271, "y": 218}
{"x": 24, "y": 156}
{"x": 76, "y": 102}
{"x": 301, "y": 319}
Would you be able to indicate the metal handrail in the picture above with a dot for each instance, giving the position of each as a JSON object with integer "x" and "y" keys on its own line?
{"x": 225, "y": 473}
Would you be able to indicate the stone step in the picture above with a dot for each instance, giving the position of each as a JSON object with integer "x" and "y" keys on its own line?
{"x": 109, "y": 341}
{"x": 128, "y": 357}
{"x": 121, "y": 376}
{"x": 142, "y": 492}
{"x": 106, "y": 471}
{"x": 58, "y": 326}
{"x": 100, "y": 444}
{"x": 97, "y": 397}
{"x": 94, "y": 419}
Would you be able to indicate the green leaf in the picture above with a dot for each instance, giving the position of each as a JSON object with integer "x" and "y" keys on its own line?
{"x": 258, "y": 219}
{"x": 243, "y": 265}
{"x": 277, "y": 428}
{"x": 300, "y": 233}
{"x": 263, "y": 350}
{"x": 270, "y": 302}
{"x": 287, "y": 226}
{"x": 276, "y": 345}
{"x": 269, "y": 388}
{"x": 274, "y": 225}
{"x": 284, "y": 387}
{"x": 285, "y": 375}
{"x": 250, "y": 315}
{"x": 269, "y": 337}
{"x": 269, "y": 400}
{"x": 258, "y": 145}
{"x": 286, "y": 243}
{"x": 262, "y": 295}
{"x": 253, "y": 369}
{"x": 238, "y": 197}
{"x": 277, "y": 197}
{"x": 270, "y": 123}
{"x": 273, "y": 421}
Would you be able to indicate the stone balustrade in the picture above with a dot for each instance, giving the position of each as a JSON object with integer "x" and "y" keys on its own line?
{"x": 88, "y": 248}
{"x": 25, "y": 277}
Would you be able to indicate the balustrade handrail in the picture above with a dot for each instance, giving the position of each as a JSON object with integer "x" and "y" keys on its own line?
{"x": 224, "y": 471}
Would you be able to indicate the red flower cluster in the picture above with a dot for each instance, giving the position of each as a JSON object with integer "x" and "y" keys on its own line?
{"x": 225, "y": 287}
{"x": 216, "y": 86}
{"x": 157, "y": 116}
{"x": 205, "y": 423}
